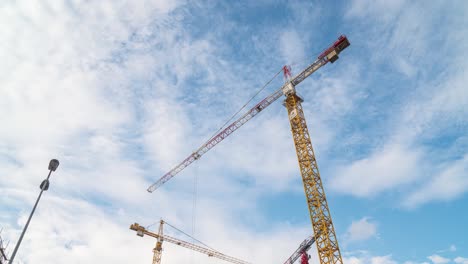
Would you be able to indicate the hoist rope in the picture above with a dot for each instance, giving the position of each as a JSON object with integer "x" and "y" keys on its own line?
{"x": 195, "y": 197}
{"x": 245, "y": 105}
{"x": 177, "y": 229}
{"x": 251, "y": 98}
{"x": 189, "y": 235}
{"x": 147, "y": 227}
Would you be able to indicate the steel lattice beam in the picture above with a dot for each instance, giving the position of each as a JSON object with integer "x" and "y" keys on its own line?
{"x": 327, "y": 244}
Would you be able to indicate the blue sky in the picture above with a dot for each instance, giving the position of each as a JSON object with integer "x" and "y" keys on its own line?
{"x": 121, "y": 91}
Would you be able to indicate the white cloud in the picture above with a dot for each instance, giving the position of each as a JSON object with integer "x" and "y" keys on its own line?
{"x": 291, "y": 46}
{"x": 383, "y": 260}
{"x": 461, "y": 260}
{"x": 437, "y": 104}
{"x": 387, "y": 168}
{"x": 450, "y": 183}
{"x": 443, "y": 105}
{"x": 403, "y": 28}
{"x": 353, "y": 260}
{"x": 364, "y": 257}
{"x": 436, "y": 259}
{"x": 166, "y": 130}
{"x": 381, "y": 9}
{"x": 452, "y": 248}
{"x": 361, "y": 230}
{"x": 405, "y": 67}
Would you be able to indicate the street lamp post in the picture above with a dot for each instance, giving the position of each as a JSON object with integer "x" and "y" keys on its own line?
{"x": 53, "y": 164}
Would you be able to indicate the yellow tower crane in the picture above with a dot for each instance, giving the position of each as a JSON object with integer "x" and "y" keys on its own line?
{"x": 160, "y": 237}
{"x": 324, "y": 232}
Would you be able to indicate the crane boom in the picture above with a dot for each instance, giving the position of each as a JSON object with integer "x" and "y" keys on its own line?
{"x": 303, "y": 247}
{"x": 210, "y": 252}
{"x": 330, "y": 54}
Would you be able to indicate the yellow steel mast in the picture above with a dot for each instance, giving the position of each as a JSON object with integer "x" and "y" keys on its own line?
{"x": 327, "y": 244}
{"x": 157, "y": 251}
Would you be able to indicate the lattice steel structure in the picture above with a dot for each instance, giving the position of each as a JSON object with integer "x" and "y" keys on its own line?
{"x": 157, "y": 251}
{"x": 327, "y": 244}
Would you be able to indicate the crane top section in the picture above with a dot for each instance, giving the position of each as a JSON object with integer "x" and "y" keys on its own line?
{"x": 332, "y": 52}
{"x": 328, "y": 55}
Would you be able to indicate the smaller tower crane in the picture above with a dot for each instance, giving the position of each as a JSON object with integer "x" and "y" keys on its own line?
{"x": 141, "y": 231}
{"x": 301, "y": 251}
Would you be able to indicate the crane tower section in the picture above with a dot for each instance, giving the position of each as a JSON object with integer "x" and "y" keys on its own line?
{"x": 327, "y": 244}
{"x": 157, "y": 251}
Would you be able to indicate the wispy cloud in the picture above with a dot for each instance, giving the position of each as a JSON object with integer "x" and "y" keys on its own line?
{"x": 461, "y": 260}
{"x": 436, "y": 259}
{"x": 361, "y": 230}
{"x": 365, "y": 257}
{"x": 450, "y": 183}
{"x": 390, "y": 167}
{"x": 427, "y": 107}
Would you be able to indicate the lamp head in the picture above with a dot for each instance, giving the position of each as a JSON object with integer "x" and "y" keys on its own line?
{"x": 53, "y": 164}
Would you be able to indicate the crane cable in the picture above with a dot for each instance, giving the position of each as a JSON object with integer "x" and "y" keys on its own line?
{"x": 177, "y": 229}
{"x": 189, "y": 236}
{"x": 251, "y": 98}
{"x": 194, "y": 204}
{"x": 245, "y": 105}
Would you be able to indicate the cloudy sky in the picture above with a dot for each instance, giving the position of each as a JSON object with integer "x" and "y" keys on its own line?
{"x": 121, "y": 91}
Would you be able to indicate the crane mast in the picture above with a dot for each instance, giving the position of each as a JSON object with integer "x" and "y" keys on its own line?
{"x": 141, "y": 231}
{"x": 157, "y": 251}
{"x": 327, "y": 244}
